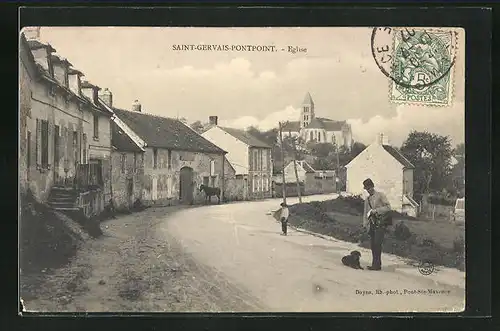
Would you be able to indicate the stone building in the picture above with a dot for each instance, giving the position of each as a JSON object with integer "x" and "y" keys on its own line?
{"x": 177, "y": 160}
{"x": 391, "y": 172}
{"x": 65, "y": 138}
{"x": 318, "y": 129}
{"x": 314, "y": 181}
{"x": 127, "y": 169}
{"x": 250, "y": 157}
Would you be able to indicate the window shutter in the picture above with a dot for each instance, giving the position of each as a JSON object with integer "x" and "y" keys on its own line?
{"x": 50, "y": 144}
{"x": 38, "y": 143}
{"x": 85, "y": 158}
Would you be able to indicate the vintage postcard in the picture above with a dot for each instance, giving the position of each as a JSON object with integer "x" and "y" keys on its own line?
{"x": 317, "y": 169}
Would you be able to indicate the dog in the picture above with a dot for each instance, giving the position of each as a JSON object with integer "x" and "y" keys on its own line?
{"x": 352, "y": 260}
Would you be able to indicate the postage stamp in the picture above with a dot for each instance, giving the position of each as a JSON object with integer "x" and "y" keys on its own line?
{"x": 419, "y": 62}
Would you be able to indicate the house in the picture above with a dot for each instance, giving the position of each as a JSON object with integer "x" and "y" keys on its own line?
{"x": 176, "y": 159}
{"x": 127, "y": 168}
{"x": 314, "y": 181}
{"x": 65, "y": 136}
{"x": 250, "y": 157}
{"x": 318, "y": 129}
{"x": 391, "y": 172}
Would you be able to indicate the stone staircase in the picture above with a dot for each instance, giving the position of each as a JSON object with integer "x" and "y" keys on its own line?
{"x": 63, "y": 198}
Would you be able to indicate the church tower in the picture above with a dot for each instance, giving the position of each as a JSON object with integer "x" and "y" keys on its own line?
{"x": 307, "y": 111}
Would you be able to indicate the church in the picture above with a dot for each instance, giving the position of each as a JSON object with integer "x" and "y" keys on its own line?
{"x": 318, "y": 129}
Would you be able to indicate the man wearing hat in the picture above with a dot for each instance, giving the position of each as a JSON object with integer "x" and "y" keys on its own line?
{"x": 376, "y": 207}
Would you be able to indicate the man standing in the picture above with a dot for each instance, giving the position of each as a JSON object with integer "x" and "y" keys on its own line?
{"x": 284, "y": 218}
{"x": 377, "y": 209}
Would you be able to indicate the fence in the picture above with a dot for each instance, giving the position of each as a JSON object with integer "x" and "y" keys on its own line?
{"x": 290, "y": 189}
{"x": 436, "y": 212}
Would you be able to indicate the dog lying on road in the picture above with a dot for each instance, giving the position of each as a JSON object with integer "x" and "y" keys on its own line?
{"x": 352, "y": 260}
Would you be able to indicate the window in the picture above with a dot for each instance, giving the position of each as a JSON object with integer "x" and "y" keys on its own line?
{"x": 212, "y": 167}
{"x": 169, "y": 186}
{"x": 264, "y": 160}
{"x": 76, "y": 153}
{"x": 266, "y": 184}
{"x": 56, "y": 146}
{"x": 135, "y": 162}
{"x": 42, "y": 145}
{"x": 28, "y": 150}
{"x": 306, "y": 109}
{"x": 96, "y": 127}
{"x": 324, "y": 136}
{"x": 155, "y": 158}
{"x": 311, "y": 135}
{"x": 169, "y": 159}
{"x": 254, "y": 184}
{"x": 205, "y": 180}
{"x": 255, "y": 159}
{"x": 212, "y": 181}
{"x": 123, "y": 161}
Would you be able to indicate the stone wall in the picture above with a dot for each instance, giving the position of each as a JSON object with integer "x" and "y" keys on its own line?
{"x": 166, "y": 174}
{"x": 122, "y": 175}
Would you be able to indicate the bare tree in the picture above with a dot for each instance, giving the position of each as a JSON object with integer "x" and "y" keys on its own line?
{"x": 282, "y": 163}
{"x": 294, "y": 144}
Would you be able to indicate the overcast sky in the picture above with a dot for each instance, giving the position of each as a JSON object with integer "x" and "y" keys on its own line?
{"x": 252, "y": 88}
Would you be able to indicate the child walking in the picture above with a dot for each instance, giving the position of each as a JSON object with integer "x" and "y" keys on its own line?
{"x": 284, "y": 218}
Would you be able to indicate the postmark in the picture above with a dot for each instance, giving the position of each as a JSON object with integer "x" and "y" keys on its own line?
{"x": 418, "y": 61}
{"x": 426, "y": 268}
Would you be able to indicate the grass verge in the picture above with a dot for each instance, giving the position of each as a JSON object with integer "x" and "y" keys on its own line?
{"x": 441, "y": 243}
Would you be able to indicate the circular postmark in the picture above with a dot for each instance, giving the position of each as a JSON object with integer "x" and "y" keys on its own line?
{"x": 415, "y": 58}
{"x": 426, "y": 268}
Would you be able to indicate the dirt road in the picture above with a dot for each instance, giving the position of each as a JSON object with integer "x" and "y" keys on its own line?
{"x": 231, "y": 257}
{"x": 302, "y": 272}
{"x": 135, "y": 267}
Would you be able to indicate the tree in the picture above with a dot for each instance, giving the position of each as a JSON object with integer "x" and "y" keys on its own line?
{"x": 197, "y": 126}
{"x": 431, "y": 155}
{"x": 357, "y": 148}
{"x": 459, "y": 151}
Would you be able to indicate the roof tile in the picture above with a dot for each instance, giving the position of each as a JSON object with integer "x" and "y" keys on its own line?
{"x": 398, "y": 156}
{"x": 121, "y": 141}
{"x": 245, "y": 137}
{"x": 164, "y": 132}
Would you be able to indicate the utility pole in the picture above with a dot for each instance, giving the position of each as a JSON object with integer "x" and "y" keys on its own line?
{"x": 282, "y": 163}
{"x": 295, "y": 167}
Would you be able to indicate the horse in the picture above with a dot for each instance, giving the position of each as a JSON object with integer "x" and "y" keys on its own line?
{"x": 209, "y": 192}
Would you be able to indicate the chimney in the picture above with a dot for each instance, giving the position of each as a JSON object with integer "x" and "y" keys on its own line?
{"x": 213, "y": 120}
{"x": 136, "y": 106}
{"x": 107, "y": 97}
{"x": 382, "y": 139}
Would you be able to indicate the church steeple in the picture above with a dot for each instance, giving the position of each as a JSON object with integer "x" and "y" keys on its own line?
{"x": 307, "y": 111}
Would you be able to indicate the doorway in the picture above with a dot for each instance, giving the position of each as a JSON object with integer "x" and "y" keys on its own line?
{"x": 186, "y": 185}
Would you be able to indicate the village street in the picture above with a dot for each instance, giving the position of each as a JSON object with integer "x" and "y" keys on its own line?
{"x": 230, "y": 257}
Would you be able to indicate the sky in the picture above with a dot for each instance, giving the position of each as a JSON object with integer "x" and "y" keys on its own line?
{"x": 253, "y": 88}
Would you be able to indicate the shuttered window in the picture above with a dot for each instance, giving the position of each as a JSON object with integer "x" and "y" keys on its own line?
{"x": 42, "y": 143}
{"x": 212, "y": 167}
{"x": 123, "y": 161}
{"x": 96, "y": 127}
{"x": 28, "y": 150}
{"x": 84, "y": 149}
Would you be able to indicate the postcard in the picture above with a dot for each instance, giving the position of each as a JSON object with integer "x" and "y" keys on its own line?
{"x": 277, "y": 169}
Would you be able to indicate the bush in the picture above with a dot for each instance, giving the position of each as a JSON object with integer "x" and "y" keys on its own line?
{"x": 441, "y": 199}
{"x": 402, "y": 232}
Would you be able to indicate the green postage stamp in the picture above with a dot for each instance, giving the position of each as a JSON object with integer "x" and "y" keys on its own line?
{"x": 418, "y": 61}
